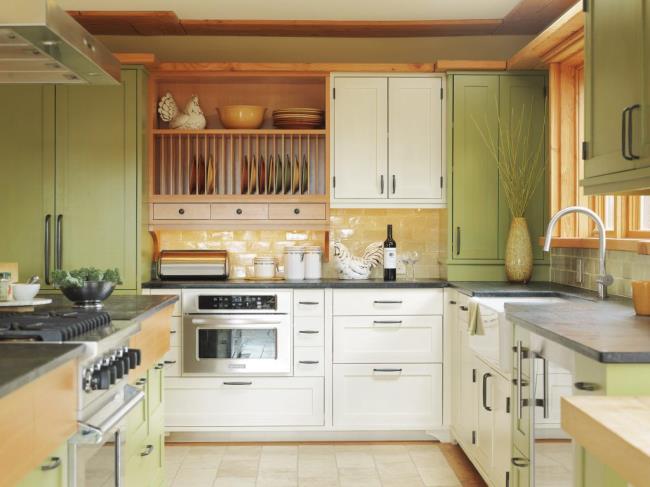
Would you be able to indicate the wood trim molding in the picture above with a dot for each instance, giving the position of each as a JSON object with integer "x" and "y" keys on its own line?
{"x": 559, "y": 41}
{"x": 234, "y": 67}
{"x": 442, "y": 66}
{"x": 639, "y": 246}
{"x": 141, "y": 58}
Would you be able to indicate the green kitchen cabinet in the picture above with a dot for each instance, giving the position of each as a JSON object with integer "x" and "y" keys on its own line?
{"x": 52, "y": 473}
{"x": 617, "y": 97}
{"x": 26, "y": 182}
{"x": 72, "y": 169}
{"x": 479, "y": 106}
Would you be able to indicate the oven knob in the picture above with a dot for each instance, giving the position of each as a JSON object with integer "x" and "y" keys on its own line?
{"x": 87, "y": 380}
{"x": 101, "y": 379}
{"x": 123, "y": 361}
{"x": 135, "y": 357}
{"x": 118, "y": 363}
{"x": 126, "y": 364}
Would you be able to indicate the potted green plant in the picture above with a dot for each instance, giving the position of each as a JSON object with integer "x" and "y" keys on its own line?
{"x": 519, "y": 155}
{"x": 88, "y": 286}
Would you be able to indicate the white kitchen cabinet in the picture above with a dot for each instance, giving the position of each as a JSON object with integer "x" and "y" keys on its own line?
{"x": 387, "y": 302}
{"x": 244, "y": 401}
{"x": 387, "y": 339}
{"x": 388, "y": 141}
{"x": 415, "y": 157}
{"x": 380, "y": 396}
{"x": 360, "y": 135}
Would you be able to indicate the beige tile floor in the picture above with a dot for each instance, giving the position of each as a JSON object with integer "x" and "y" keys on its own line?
{"x": 305, "y": 465}
{"x": 553, "y": 464}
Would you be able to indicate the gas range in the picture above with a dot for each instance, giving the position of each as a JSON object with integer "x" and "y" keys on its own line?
{"x": 53, "y": 326}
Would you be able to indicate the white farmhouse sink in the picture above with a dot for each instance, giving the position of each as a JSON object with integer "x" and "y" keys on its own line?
{"x": 495, "y": 345}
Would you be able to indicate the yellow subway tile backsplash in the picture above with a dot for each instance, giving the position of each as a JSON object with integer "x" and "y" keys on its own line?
{"x": 421, "y": 230}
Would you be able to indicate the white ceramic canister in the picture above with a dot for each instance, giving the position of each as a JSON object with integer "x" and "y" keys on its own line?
{"x": 265, "y": 267}
{"x": 313, "y": 261}
{"x": 294, "y": 263}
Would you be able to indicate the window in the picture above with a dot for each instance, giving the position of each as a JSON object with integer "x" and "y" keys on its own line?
{"x": 644, "y": 213}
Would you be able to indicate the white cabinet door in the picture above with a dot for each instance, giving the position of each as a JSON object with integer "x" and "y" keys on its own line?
{"x": 484, "y": 414}
{"x": 387, "y": 339}
{"x": 244, "y": 401}
{"x": 360, "y": 137}
{"x": 415, "y": 156}
{"x": 502, "y": 437}
{"x": 467, "y": 388}
{"x": 393, "y": 396}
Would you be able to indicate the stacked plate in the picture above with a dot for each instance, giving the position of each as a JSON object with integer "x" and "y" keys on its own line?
{"x": 298, "y": 118}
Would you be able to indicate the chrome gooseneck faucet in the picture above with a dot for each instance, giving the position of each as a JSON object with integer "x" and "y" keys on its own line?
{"x": 604, "y": 279}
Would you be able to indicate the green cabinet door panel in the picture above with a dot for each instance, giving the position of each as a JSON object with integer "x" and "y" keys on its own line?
{"x": 475, "y": 203}
{"x": 96, "y": 190}
{"x": 52, "y": 473}
{"x": 525, "y": 96}
{"x": 27, "y": 175}
{"x": 614, "y": 58}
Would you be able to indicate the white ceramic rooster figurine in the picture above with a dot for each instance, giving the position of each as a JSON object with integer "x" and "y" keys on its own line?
{"x": 191, "y": 119}
{"x": 351, "y": 267}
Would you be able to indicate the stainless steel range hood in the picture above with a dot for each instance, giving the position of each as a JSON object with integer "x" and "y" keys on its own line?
{"x": 41, "y": 43}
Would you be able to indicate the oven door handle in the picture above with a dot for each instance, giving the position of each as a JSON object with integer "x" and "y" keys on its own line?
{"x": 233, "y": 322}
{"x": 133, "y": 396}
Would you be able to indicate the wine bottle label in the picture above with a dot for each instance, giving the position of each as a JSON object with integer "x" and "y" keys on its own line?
{"x": 390, "y": 258}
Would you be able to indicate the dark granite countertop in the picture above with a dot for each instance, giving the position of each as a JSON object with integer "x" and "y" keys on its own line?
{"x": 21, "y": 363}
{"x": 607, "y": 331}
{"x": 486, "y": 289}
{"x": 309, "y": 284}
{"x": 121, "y": 307}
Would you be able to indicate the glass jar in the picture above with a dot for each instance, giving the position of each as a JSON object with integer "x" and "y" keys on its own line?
{"x": 5, "y": 286}
{"x": 294, "y": 265}
{"x": 313, "y": 261}
{"x": 265, "y": 267}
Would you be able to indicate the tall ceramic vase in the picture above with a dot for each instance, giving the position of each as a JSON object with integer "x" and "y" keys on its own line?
{"x": 519, "y": 252}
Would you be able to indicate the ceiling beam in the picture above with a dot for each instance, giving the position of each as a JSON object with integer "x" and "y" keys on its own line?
{"x": 533, "y": 16}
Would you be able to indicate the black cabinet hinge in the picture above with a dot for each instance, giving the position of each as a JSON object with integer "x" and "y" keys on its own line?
{"x": 442, "y": 94}
{"x": 507, "y": 479}
{"x": 584, "y": 151}
{"x": 334, "y": 181}
{"x": 473, "y": 375}
{"x": 473, "y": 437}
{"x": 508, "y": 405}
{"x": 441, "y": 182}
{"x": 585, "y": 5}
{"x": 545, "y": 91}
{"x": 334, "y": 93}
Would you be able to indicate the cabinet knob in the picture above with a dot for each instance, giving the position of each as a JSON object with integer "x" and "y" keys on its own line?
{"x": 239, "y": 211}
{"x": 586, "y": 386}
{"x": 296, "y": 211}
{"x": 181, "y": 211}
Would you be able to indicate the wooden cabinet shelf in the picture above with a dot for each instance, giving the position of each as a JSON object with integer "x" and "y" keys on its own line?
{"x": 208, "y": 174}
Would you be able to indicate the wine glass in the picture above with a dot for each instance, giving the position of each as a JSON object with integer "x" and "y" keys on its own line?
{"x": 414, "y": 257}
{"x": 405, "y": 259}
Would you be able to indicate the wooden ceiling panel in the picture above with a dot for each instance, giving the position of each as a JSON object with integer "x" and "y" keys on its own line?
{"x": 149, "y": 23}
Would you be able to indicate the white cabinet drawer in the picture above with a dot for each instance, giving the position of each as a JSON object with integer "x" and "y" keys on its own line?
{"x": 388, "y": 396}
{"x": 174, "y": 211}
{"x": 175, "y": 292}
{"x": 290, "y": 211}
{"x": 244, "y": 401}
{"x": 388, "y": 339}
{"x": 350, "y": 302}
{"x": 237, "y": 211}
{"x": 308, "y": 332}
{"x": 172, "y": 361}
{"x": 309, "y": 302}
{"x": 308, "y": 361}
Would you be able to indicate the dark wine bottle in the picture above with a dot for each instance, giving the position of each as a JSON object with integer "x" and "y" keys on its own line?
{"x": 390, "y": 256}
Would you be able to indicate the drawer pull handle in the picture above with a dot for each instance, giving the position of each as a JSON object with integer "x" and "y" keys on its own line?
{"x": 309, "y": 332}
{"x": 387, "y": 302}
{"x": 309, "y": 303}
{"x": 141, "y": 382}
{"x": 170, "y": 362}
{"x": 464, "y": 308}
{"x": 296, "y": 211}
{"x": 309, "y": 362}
{"x": 520, "y": 462}
{"x": 237, "y": 383}
{"x": 387, "y": 322}
{"x": 148, "y": 450}
{"x": 239, "y": 211}
{"x": 159, "y": 366}
{"x": 452, "y": 302}
{"x": 587, "y": 386}
{"x": 55, "y": 462}
{"x": 181, "y": 211}
{"x": 387, "y": 370}
{"x": 172, "y": 332}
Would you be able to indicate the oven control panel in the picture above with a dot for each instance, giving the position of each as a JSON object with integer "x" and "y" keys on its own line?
{"x": 238, "y": 302}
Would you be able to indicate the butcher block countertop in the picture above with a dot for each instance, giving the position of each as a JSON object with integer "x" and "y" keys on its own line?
{"x": 616, "y": 430}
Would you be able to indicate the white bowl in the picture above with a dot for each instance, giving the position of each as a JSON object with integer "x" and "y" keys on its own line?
{"x": 25, "y": 292}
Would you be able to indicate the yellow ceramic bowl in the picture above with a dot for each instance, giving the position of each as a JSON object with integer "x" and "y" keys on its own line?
{"x": 241, "y": 116}
{"x": 641, "y": 297}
